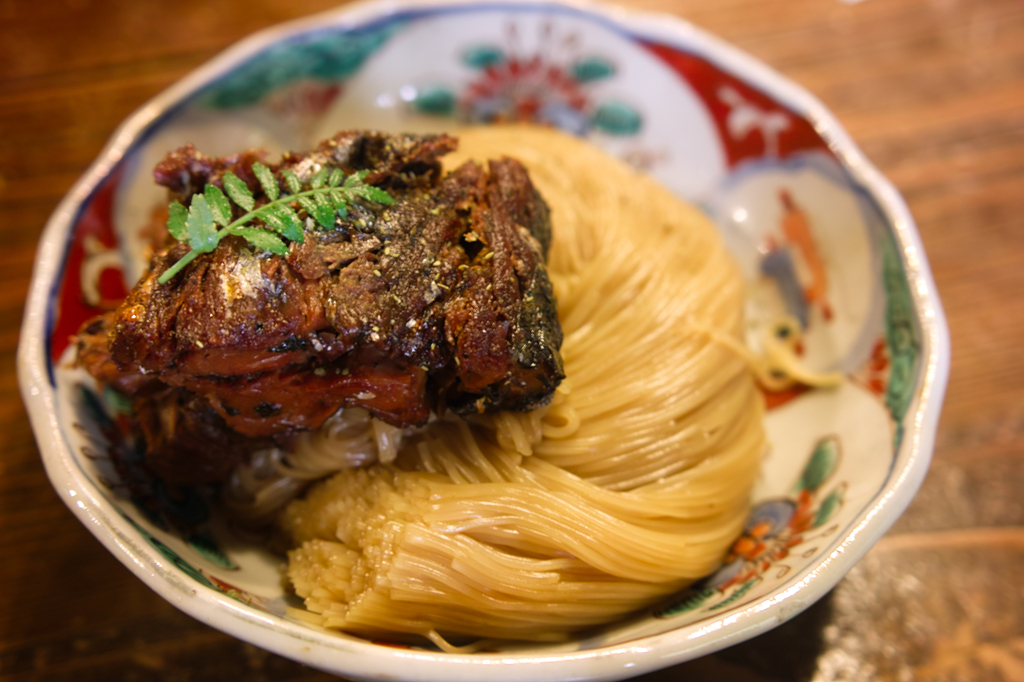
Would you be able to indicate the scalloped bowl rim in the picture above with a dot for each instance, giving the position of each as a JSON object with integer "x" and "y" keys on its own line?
{"x": 362, "y": 659}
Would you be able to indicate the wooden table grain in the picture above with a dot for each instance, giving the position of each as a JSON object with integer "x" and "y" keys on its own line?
{"x": 932, "y": 91}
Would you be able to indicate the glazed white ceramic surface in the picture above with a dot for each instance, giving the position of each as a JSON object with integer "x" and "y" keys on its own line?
{"x": 758, "y": 153}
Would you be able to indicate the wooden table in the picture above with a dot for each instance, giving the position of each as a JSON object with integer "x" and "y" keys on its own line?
{"x": 932, "y": 90}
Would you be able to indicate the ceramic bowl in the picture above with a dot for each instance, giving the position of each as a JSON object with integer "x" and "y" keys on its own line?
{"x": 818, "y": 233}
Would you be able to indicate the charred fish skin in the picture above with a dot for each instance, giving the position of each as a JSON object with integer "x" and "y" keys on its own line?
{"x": 438, "y": 301}
{"x": 538, "y": 335}
{"x": 513, "y": 221}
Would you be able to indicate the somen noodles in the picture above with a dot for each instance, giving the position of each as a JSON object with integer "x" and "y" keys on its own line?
{"x": 629, "y": 485}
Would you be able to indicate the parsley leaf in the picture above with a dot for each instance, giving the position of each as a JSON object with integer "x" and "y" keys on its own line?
{"x": 238, "y": 191}
{"x": 176, "y": 217}
{"x": 220, "y": 207}
{"x": 267, "y": 180}
{"x": 202, "y": 232}
{"x": 262, "y": 240}
{"x": 292, "y": 180}
{"x": 329, "y": 194}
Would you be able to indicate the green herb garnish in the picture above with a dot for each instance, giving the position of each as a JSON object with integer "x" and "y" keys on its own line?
{"x": 326, "y": 198}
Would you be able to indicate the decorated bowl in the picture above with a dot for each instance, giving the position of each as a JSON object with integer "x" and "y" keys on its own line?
{"x": 818, "y": 233}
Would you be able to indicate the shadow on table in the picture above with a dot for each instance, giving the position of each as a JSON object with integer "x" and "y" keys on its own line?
{"x": 789, "y": 653}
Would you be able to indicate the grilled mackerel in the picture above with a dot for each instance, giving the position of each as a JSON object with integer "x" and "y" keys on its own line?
{"x": 440, "y": 301}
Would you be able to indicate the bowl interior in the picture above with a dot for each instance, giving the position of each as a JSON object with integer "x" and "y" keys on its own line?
{"x": 813, "y": 240}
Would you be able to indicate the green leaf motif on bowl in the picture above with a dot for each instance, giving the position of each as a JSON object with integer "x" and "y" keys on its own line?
{"x": 435, "y": 100}
{"x": 617, "y": 118}
{"x": 206, "y": 546}
{"x": 482, "y": 56}
{"x": 902, "y": 336}
{"x": 820, "y": 466}
{"x": 327, "y": 56}
{"x": 591, "y": 69}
